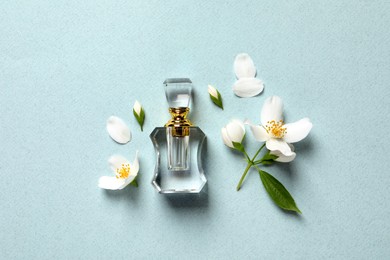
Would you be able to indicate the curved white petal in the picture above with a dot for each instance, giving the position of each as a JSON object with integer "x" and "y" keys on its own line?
{"x": 134, "y": 167}
{"x": 248, "y": 87}
{"x": 278, "y": 145}
{"x": 272, "y": 110}
{"x": 283, "y": 158}
{"x": 298, "y": 130}
{"x": 118, "y": 130}
{"x": 116, "y": 162}
{"x": 111, "y": 183}
{"x": 225, "y": 138}
{"x": 137, "y": 107}
{"x": 235, "y": 130}
{"x": 212, "y": 91}
{"x": 244, "y": 66}
{"x": 258, "y": 132}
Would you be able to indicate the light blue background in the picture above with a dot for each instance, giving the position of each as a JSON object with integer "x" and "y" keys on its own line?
{"x": 66, "y": 66}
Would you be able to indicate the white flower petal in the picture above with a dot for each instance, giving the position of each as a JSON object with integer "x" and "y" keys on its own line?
{"x": 213, "y": 91}
{"x": 118, "y": 130}
{"x": 244, "y": 67}
{"x": 259, "y": 133}
{"x": 111, "y": 183}
{"x": 248, "y": 87}
{"x": 137, "y": 107}
{"x": 298, "y": 130}
{"x": 134, "y": 167}
{"x": 225, "y": 138}
{"x": 272, "y": 110}
{"x": 283, "y": 158}
{"x": 235, "y": 130}
{"x": 116, "y": 162}
{"x": 278, "y": 145}
{"x": 127, "y": 181}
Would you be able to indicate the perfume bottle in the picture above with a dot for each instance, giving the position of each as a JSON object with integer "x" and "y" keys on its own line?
{"x": 178, "y": 145}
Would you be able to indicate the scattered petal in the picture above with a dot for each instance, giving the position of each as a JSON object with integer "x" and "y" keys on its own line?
{"x": 248, "y": 87}
{"x": 272, "y": 110}
{"x": 118, "y": 130}
{"x": 298, "y": 130}
{"x": 244, "y": 66}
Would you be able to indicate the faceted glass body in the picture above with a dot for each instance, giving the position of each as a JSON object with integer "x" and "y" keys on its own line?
{"x": 184, "y": 178}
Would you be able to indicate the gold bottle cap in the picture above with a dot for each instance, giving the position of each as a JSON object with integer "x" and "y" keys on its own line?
{"x": 179, "y": 122}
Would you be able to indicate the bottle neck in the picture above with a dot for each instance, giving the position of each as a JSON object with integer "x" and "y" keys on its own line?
{"x": 179, "y": 122}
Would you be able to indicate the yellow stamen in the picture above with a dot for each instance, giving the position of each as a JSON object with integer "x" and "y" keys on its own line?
{"x": 123, "y": 172}
{"x": 276, "y": 129}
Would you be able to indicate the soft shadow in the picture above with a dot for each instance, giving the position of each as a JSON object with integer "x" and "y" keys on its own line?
{"x": 189, "y": 200}
{"x": 305, "y": 147}
{"x": 286, "y": 169}
{"x": 130, "y": 193}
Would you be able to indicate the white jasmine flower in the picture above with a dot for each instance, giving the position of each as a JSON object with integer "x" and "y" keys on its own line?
{"x": 233, "y": 132}
{"x": 215, "y": 96}
{"x": 139, "y": 114}
{"x": 118, "y": 130}
{"x": 125, "y": 173}
{"x": 246, "y": 85}
{"x": 275, "y": 133}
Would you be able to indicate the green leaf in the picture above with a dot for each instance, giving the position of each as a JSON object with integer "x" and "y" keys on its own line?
{"x": 217, "y": 101}
{"x": 269, "y": 157}
{"x": 278, "y": 193}
{"x": 238, "y": 146}
{"x": 266, "y": 162}
{"x": 140, "y": 118}
{"x": 134, "y": 183}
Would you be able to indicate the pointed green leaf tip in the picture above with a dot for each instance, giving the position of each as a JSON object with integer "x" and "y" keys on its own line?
{"x": 278, "y": 192}
{"x": 141, "y": 116}
{"x": 215, "y": 96}
{"x": 134, "y": 183}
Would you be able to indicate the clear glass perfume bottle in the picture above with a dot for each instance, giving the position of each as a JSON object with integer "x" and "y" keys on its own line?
{"x": 178, "y": 145}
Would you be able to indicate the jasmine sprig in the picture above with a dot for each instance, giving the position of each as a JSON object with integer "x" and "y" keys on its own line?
{"x": 278, "y": 193}
{"x": 139, "y": 114}
{"x": 215, "y": 96}
{"x": 233, "y": 135}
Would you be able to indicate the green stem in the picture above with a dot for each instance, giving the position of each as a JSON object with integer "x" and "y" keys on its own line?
{"x": 244, "y": 175}
{"x": 250, "y": 164}
{"x": 257, "y": 153}
{"x": 247, "y": 156}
